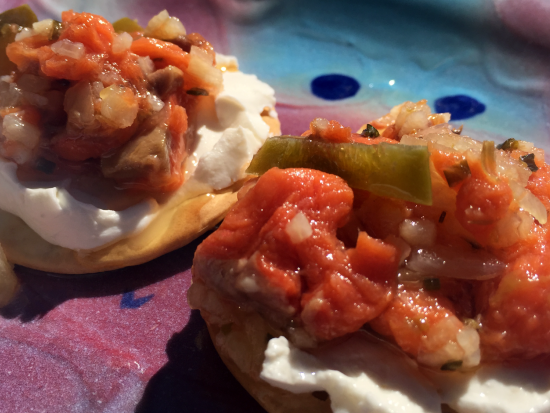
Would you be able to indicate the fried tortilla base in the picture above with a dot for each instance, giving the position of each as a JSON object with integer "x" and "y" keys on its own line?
{"x": 172, "y": 229}
{"x": 240, "y": 337}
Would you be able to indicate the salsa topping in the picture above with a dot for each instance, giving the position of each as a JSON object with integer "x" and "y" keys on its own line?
{"x": 461, "y": 280}
{"x": 82, "y": 91}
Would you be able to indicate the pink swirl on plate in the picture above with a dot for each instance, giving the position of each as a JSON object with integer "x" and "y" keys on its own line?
{"x": 527, "y": 17}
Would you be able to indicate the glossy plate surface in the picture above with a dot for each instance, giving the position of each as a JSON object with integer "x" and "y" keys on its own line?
{"x": 111, "y": 342}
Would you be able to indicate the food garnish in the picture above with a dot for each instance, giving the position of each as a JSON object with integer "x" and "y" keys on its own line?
{"x": 105, "y": 129}
{"x": 400, "y": 171}
{"x": 468, "y": 274}
{"x": 529, "y": 159}
{"x": 370, "y": 132}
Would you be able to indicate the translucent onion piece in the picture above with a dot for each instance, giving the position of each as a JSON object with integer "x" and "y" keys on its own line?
{"x": 43, "y": 27}
{"x": 119, "y": 105}
{"x": 156, "y": 103}
{"x": 15, "y": 129}
{"x": 122, "y": 42}
{"x": 32, "y": 83}
{"x": 197, "y": 51}
{"x": 443, "y": 261}
{"x": 9, "y": 284}
{"x": 164, "y": 27}
{"x": 205, "y": 73}
{"x": 24, "y": 33}
{"x": 67, "y": 48}
{"x": 412, "y": 117}
{"x": 418, "y": 232}
{"x": 146, "y": 65}
{"x": 298, "y": 229}
{"x": 529, "y": 202}
{"x": 79, "y": 105}
{"x": 488, "y": 158}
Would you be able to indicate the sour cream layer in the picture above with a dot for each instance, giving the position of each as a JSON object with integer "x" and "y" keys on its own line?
{"x": 361, "y": 374}
{"x": 228, "y": 136}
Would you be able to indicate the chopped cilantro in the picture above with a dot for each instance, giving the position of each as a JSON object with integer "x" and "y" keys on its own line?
{"x": 529, "y": 159}
{"x": 509, "y": 145}
{"x": 452, "y": 365}
{"x": 370, "y": 132}
{"x": 197, "y": 91}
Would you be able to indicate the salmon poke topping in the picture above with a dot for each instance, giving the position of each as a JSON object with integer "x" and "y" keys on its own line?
{"x": 455, "y": 282}
{"x": 79, "y": 97}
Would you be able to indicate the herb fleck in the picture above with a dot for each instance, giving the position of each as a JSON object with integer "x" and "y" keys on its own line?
{"x": 226, "y": 328}
{"x": 197, "y": 91}
{"x": 431, "y": 284}
{"x": 370, "y": 132}
{"x": 321, "y": 395}
{"x": 442, "y": 217}
{"x": 509, "y": 145}
{"x": 452, "y": 365}
{"x": 457, "y": 173}
{"x": 56, "y": 32}
{"x": 43, "y": 165}
{"x": 458, "y": 131}
{"x": 530, "y": 161}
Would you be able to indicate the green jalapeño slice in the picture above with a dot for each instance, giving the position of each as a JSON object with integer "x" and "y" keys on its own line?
{"x": 127, "y": 25}
{"x": 398, "y": 171}
{"x": 11, "y": 22}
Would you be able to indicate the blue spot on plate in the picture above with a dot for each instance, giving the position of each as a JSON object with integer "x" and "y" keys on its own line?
{"x": 334, "y": 87}
{"x": 459, "y": 106}
{"x": 128, "y": 300}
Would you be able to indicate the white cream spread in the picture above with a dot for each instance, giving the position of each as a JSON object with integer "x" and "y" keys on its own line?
{"x": 227, "y": 140}
{"x": 352, "y": 375}
{"x": 362, "y": 375}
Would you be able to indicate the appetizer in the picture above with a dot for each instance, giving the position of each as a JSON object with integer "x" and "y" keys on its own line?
{"x": 118, "y": 143}
{"x": 401, "y": 268}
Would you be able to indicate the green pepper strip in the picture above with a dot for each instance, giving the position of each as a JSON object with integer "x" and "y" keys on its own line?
{"x": 22, "y": 16}
{"x": 398, "y": 171}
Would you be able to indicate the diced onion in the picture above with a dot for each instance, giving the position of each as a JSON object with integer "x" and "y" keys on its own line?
{"x": 43, "y": 27}
{"x": 205, "y": 72}
{"x": 468, "y": 339}
{"x": 79, "y": 105}
{"x": 35, "y": 99}
{"x": 298, "y": 229}
{"x": 418, "y": 232}
{"x": 156, "y": 103}
{"x": 443, "y": 261}
{"x": 10, "y": 94}
{"x": 412, "y": 140}
{"x": 412, "y": 117}
{"x": 67, "y": 48}
{"x": 32, "y": 83}
{"x": 9, "y": 284}
{"x": 164, "y": 27}
{"x": 24, "y": 33}
{"x": 529, "y": 202}
{"x": 197, "y": 51}
{"x": 122, "y": 42}
{"x": 146, "y": 64}
{"x": 97, "y": 87}
{"x": 402, "y": 247}
{"x": 119, "y": 105}
{"x": 16, "y": 129}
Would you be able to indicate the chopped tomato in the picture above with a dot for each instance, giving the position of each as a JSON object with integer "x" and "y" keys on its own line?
{"x": 95, "y": 94}
{"x": 162, "y": 53}
{"x": 330, "y": 289}
{"x": 92, "y": 30}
